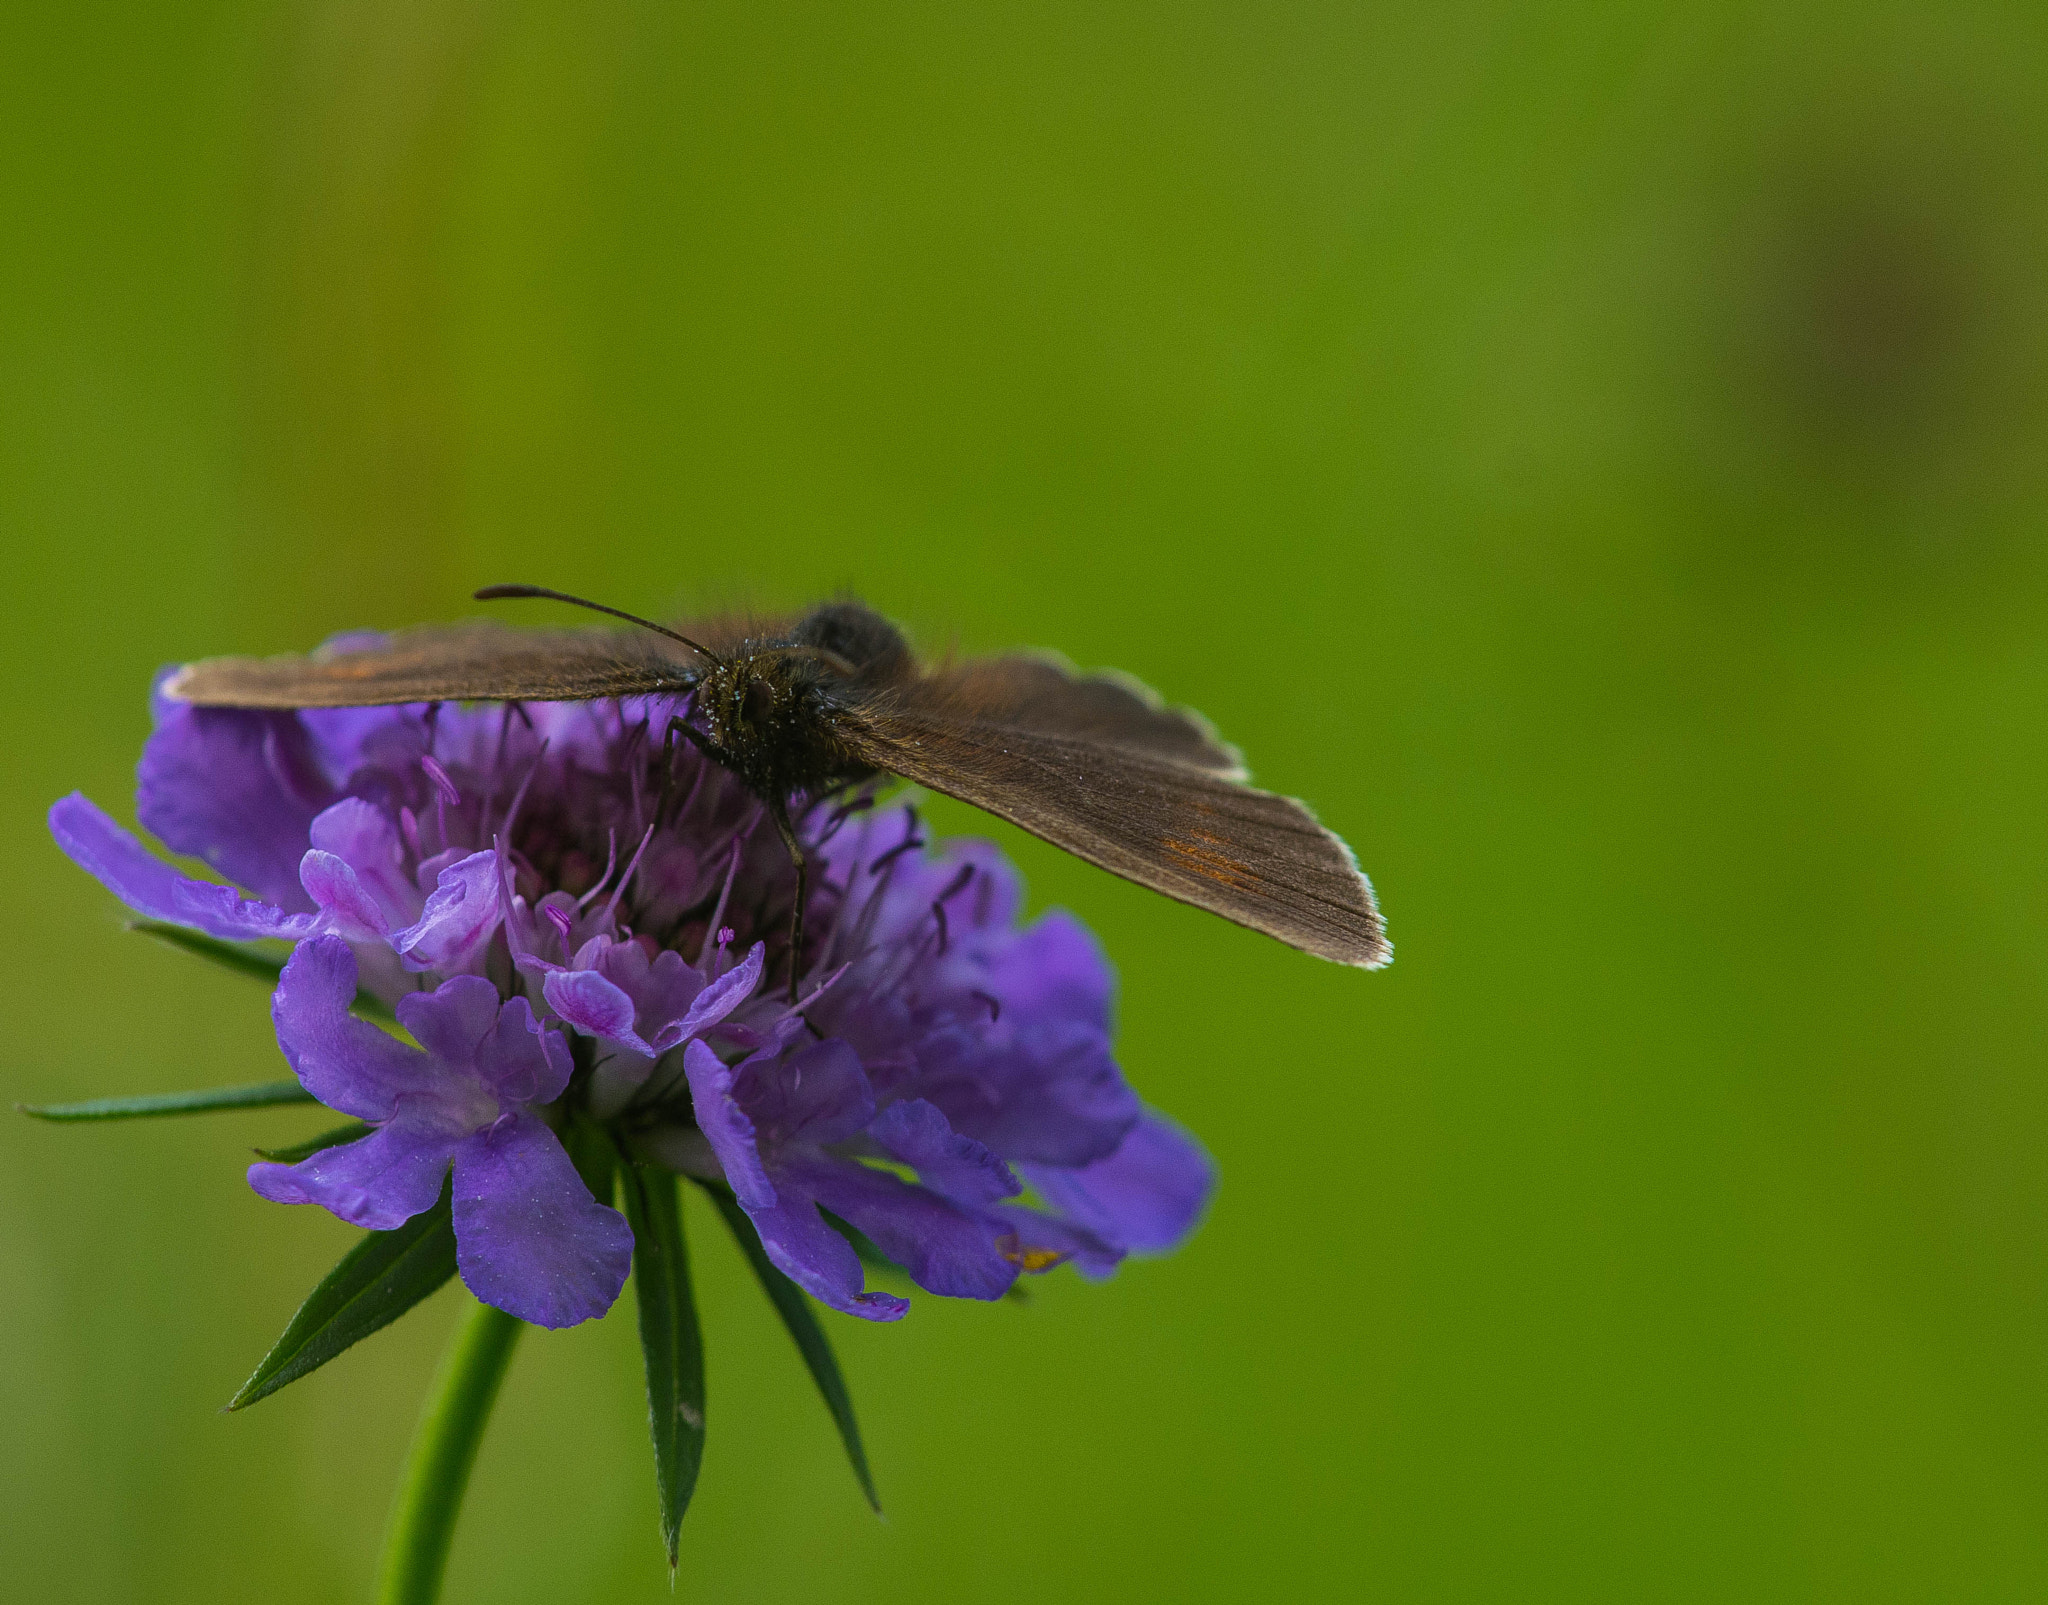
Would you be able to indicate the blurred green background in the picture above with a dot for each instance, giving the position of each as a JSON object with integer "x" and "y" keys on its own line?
{"x": 1593, "y": 452}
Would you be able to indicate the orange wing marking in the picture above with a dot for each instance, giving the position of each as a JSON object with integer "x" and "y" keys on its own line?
{"x": 1199, "y": 855}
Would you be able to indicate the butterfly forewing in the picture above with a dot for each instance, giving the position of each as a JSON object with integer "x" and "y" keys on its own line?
{"x": 460, "y": 662}
{"x": 1195, "y": 835}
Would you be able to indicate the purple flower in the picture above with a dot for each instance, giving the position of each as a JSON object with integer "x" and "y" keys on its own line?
{"x": 947, "y": 1041}
{"x": 530, "y": 1238}
{"x": 571, "y": 930}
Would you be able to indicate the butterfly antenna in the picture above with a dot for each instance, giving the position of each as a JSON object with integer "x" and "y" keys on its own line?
{"x": 493, "y": 593}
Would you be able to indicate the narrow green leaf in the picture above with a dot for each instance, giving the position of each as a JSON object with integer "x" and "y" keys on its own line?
{"x": 669, "y": 1339}
{"x": 312, "y": 1145}
{"x": 377, "y": 1281}
{"x": 262, "y": 1095}
{"x": 794, "y": 1307}
{"x": 254, "y": 962}
{"x": 243, "y": 960}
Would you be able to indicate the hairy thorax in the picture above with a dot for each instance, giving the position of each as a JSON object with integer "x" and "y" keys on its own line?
{"x": 771, "y": 708}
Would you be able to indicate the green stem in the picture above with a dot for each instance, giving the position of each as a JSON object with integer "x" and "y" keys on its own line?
{"x": 451, "y": 1427}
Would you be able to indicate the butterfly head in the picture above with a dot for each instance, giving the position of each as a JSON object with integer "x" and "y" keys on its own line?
{"x": 772, "y": 707}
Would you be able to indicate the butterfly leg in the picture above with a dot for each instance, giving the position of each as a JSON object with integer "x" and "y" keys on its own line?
{"x": 696, "y": 738}
{"x": 778, "y": 811}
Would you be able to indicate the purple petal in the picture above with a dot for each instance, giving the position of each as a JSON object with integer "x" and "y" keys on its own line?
{"x": 349, "y": 909}
{"x": 820, "y": 1261}
{"x": 1146, "y": 1196}
{"x": 945, "y": 1249}
{"x": 379, "y": 1182}
{"x": 459, "y": 920}
{"x": 348, "y": 1064}
{"x": 520, "y": 1059}
{"x": 529, "y": 1237}
{"x": 151, "y": 887}
{"x": 237, "y": 788}
{"x": 717, "y": 1000}
{"x": 341, "y": 740}
{"x": 363, "y": 836}
{"x": 818, "y": 1094}
{"x": 727, "y": 1129}
{"x": 1045, "y": 1091}
{"x": 595, "y": 1006}
{"x": 452, "y": 1021}
{"x": 1057, "y": 967}
{"x": 662, "y": 986}
{"x": 430, "y": 867}
{"x": 915, "y": 1133}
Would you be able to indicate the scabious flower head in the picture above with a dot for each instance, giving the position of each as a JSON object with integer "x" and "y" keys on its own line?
{"x": 574, "y": 920}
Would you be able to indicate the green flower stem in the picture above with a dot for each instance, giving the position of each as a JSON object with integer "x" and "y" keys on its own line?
{"x": 423, "y": 1518}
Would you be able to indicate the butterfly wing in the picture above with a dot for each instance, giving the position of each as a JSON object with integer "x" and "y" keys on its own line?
{"x": 1119, "y": 800}
{"x": 1040, "y": 692}
{"x": 477, "y": 660}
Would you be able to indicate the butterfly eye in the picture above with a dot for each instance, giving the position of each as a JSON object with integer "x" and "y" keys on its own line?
{"x": 757, "y": 703}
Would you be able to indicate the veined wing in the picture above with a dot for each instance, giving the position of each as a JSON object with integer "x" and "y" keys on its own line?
{"x": 1039, "y": 692}
{"x": 473, "y": 661}
{"x": 1195, "y": 835}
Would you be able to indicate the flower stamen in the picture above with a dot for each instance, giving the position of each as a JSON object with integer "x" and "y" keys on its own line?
{"x": 713, "y": 931}
{"x": 439, "y": 776}
{"x": 611, "y": 908}
{"x": 611, "y": 860}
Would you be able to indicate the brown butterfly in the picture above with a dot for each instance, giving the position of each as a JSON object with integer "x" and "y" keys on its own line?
{"x": 1091, "y": 763}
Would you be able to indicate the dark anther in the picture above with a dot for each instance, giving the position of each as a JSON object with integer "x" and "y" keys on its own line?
{"x": 910, "y": 839}
{"x": 939, "y": 903}
{"x": 904, "y": 846}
